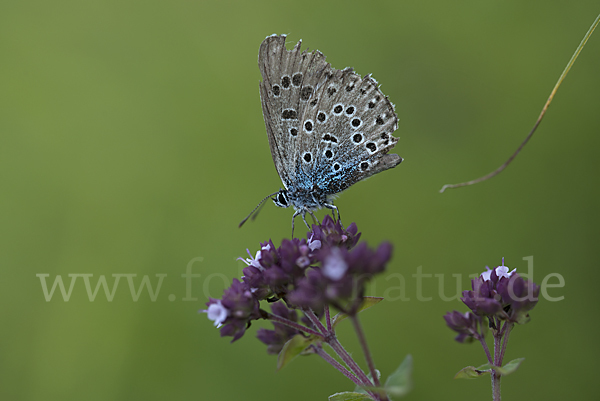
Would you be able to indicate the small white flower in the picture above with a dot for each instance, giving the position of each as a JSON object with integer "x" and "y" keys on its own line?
{"x": 312, "y": 245}
{"x": 253, "y": 261}
{"x": 217, "y": 313}
{"x": 486, "y": 274}
{"x": 501, "y": 271}
{"x": 335, "y": 266}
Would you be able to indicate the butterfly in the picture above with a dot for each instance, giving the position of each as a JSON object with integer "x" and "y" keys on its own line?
{"x": 328, "y": 129}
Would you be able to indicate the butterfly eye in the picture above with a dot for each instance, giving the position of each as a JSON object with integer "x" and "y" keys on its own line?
{"x": 281, "y": 200}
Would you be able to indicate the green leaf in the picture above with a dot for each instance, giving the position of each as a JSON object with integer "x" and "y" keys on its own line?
{"x": 471, "y": 372}
{"x": 399, "y": 383}
{"x": 292, "y": 349}
{"x": 366, "y": 304}
{"x": 349, "y": 396}
{"x": 510, "y": 367}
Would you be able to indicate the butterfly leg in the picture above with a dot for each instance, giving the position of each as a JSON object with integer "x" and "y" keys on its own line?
{"x": 314, "y": 217}
{"x": 296, "y": 213}
{"x": 304, "y": 217}
{"x": 333, "y": 207}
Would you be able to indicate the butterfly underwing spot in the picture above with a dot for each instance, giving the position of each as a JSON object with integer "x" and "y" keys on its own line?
{"x": 276, "y": 90}
{"x": 321, "y": 117}
{"x": 371, "y": 146}
{"x": 356, "y": 122}
{"x": 373, "y": 102}
{"x": 308, "y": 126}
{"x": 357, "y": 138}
{"x": 307, "y": 157}
{"x": 293, "y": 131}
{"x": 337, "y": 109}
{"x": 385, "y": 139}
{"x": 336, "y": 166}
{"x": 314, "y": 102}
{"x": 328, "y": 153}
{"x": 285, "y": 82}
{"x": 350, "y": 110}
{"x": 289, "y": 114}
{"x": 331, "y": 91}
{"x": 379, "y": 120}
{"x": 297, "y": 79}
{"x": 364, "y": 166}
{"x": 349, "y": 88}
{"x": 305, "y": 93}
{"x": 333, "y": 139}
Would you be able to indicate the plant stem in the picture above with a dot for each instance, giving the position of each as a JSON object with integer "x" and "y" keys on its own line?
{"x": 365, "y": 347}
{"x": 329, "y": 359}
{"x": 345, "y": 356}
{"x": 292, "y": 324}
{"x": 506, "y": 334}
{"x": 497, "y": 362}
{"x": 539, "y": 120}
{"x": 315, "y": 321}
{"x": 486, "y": 349}
{"x": 328, "y": 318}
{"x": 331, "y": 339}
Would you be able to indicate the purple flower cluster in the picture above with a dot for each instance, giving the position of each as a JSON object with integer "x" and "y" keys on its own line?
{"x": 497, "y": 294}
{"x": 325, "y": 268}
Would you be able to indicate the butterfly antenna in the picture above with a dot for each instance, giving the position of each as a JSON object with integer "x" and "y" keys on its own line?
{"x": 256, "y": 208}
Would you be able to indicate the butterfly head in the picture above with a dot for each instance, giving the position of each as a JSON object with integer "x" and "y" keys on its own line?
{"x": 281, "y": 199}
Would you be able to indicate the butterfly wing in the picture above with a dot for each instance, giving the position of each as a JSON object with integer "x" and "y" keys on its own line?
{"x": 289, "y": 79}
{"x": 349, "y": 123}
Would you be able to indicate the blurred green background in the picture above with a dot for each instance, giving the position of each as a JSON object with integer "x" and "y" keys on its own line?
{"x": 132, "y": 142}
